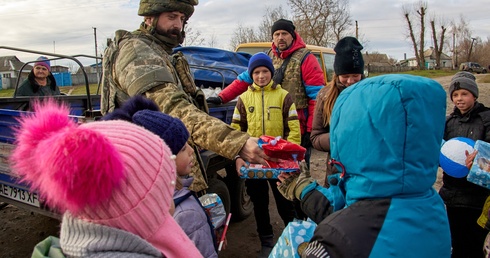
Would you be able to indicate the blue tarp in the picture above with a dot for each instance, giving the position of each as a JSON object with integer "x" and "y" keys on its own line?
{"x": 207, "y": 64}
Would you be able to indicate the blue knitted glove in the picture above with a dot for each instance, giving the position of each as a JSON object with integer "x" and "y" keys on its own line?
{"x": 245, "y": 77}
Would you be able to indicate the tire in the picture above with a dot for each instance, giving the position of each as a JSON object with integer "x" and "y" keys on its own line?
{"x": 241, "y": 205}
{"x": 219, "y": 187}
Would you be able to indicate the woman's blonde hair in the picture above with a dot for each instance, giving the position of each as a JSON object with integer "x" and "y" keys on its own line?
{"x": 329, "y": 99}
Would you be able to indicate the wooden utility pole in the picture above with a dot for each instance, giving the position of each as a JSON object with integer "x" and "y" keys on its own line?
{"x": 471, "y": 49}
{"x": 357, "y": 30}
{"x": 455, "y": 62}
{"x": 96, "y": 59}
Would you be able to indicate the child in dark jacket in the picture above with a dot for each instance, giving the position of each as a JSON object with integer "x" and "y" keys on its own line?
{"x": 464, "y": 200}
{"x": 189, "y": 212}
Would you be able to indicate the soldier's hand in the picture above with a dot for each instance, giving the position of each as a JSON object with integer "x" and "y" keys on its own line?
{"x": 252, "y": 153}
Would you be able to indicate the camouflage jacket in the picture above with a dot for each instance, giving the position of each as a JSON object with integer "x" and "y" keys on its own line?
{"x": 139, "y": 63}
{"x": 292, "y": 81}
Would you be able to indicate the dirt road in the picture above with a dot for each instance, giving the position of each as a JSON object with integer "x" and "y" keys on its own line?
{"x": 21, "y": 230}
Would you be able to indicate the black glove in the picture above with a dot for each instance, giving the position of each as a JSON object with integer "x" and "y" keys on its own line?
{"x": 215, "y": 100}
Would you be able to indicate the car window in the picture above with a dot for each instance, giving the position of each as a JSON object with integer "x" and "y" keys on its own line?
{"x": 328, "y": 66}
{"x": 253, "y": 50}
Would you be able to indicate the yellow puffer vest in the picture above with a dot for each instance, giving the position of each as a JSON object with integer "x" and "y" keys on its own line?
{"x": 292, "y": 81}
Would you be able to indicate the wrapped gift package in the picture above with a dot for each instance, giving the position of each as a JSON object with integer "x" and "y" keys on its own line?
{"x": 294, "y": 239}
{"x": 480, "y": 170}
{"x": 286, "y": 155}
{"x": 276, "y": 147}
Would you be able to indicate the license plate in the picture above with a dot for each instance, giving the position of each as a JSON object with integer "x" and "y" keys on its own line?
{"x": 20, "y": 195}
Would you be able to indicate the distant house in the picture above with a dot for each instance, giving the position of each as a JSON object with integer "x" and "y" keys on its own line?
{"x": 91, "y": 68}
{"x": 430, "y": 60}
{"x": 9, "y": 71}
{"x": 59, "y": 69}
{"x": 377, "y": 59}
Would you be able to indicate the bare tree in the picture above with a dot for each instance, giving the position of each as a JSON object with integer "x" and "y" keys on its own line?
{"x": 462, "y": 39}
{"x": 192, "y": 37}
{"x": 242, "y": 34}
{"x": 438, "y": 47}
{"x": 263, "y": 33}
{"x": 213, "y": 41}
{"x": 420, "y": 10}
{"x": 321, "y": 22}
{"x": 271, "y": 15}
{"x": 341, "y": 19}
{"x": 481, "y": 53}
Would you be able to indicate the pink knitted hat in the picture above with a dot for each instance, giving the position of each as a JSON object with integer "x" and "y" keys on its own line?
{"x": 43, "y": 61}
{"x": 112, "y": 173}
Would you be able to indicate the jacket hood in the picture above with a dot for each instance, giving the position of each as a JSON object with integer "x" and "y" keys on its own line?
{"x": 387, "y": 132}
{"x": 297, "y": 44}
{"x": 186, "y": 182}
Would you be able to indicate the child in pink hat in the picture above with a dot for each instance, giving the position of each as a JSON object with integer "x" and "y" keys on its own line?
{"x": 112, "y": 180}
{"x": 189, "y": 212}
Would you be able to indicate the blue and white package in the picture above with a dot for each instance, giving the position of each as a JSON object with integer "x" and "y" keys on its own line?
{"x": 480, "y": 170}
{"x": 294, "y": 239}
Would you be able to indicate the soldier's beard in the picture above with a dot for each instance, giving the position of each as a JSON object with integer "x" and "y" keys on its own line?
{"x": 172, "y": 33}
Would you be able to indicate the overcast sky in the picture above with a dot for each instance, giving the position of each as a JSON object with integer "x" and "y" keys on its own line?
{"x": 67, "y": 26}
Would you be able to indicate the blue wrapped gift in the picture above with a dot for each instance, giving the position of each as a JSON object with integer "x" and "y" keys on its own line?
{"x": 294, "y": 239}
{"x": 480, "y": 170}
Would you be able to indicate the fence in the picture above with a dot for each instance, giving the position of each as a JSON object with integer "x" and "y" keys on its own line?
{"x": 63, "y": 79}
{"x": 389, "y": 69}
{"x": 79, "y": 79}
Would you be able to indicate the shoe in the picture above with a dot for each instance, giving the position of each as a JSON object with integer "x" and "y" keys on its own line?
{"x": 264, "y": 252}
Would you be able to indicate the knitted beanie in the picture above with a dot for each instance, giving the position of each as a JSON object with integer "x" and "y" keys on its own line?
{"x": 144, "y": 112}
{"x": 43, "y": 61}
{"x": 112, "y": 173}
{"x": 348, "y": 57}
{"x": 463, "y": 82}
{"x": 260, "y": 59}
{"x": 170, "y": 129}
{"x": 464, "y": 74}
{"x": 283, "y": 24}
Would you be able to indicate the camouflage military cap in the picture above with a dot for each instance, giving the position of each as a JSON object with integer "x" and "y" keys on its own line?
{"x": 156, "y": 7}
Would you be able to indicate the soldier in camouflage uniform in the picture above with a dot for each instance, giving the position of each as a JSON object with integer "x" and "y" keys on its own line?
{"x": 140, "y": 63}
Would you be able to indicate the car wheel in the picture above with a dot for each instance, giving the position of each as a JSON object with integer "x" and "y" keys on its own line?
{"x": 241, "y": 205}
{"x": 484, "y": 71}
{"x": 219, "y": 187}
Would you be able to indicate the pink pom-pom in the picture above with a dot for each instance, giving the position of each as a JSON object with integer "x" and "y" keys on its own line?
{"x": 71, "y": 167}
